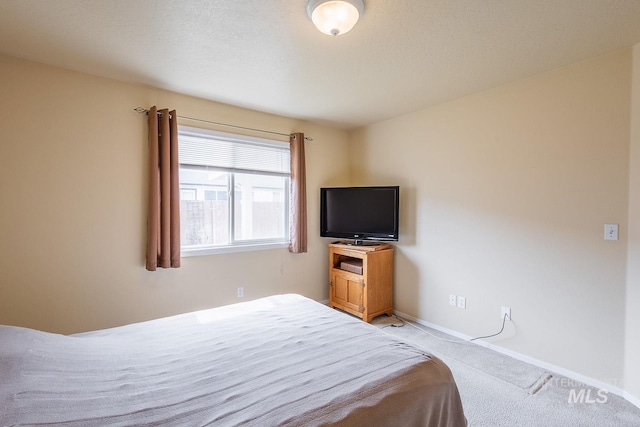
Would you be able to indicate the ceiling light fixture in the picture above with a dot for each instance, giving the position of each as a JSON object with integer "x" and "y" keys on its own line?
{"x": 335, "y": 17}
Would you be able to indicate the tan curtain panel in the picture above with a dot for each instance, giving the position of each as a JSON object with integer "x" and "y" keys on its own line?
{"x": 163, "y": 220}
{"x": 298, "y": 213}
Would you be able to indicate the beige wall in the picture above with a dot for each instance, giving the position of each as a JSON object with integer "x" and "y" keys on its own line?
{"x": 504, "y": 195}
{"x": 632, "y": 342}
{"x": 73, "y": 217}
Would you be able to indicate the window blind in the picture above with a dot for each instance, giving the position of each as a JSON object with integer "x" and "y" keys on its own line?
{"x": 230, "y": 152}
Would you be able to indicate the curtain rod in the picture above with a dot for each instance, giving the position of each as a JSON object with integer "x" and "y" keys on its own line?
{"x": 145, "y": 111}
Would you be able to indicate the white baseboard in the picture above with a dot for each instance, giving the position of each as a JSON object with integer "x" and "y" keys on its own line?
{"x": 631, "y": 399}
{"x": 532, "y": 361}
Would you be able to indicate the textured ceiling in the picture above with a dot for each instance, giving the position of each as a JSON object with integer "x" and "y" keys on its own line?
{"x": 402, "y": 56}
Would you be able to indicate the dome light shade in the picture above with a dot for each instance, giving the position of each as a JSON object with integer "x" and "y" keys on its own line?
{"x": 335, "y": 17}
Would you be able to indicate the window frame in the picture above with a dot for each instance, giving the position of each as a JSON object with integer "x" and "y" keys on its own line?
{"x": 237, "y": 245}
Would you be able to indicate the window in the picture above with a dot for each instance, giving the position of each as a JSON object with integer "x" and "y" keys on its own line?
{"x": 234, "y": 192}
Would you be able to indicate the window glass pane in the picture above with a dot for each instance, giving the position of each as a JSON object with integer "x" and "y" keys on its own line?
{"x": 254, "y": 211}
{"x": 260, "y": 207}
{"x": 187, "y": 193}
{"x": 204, "y": 217}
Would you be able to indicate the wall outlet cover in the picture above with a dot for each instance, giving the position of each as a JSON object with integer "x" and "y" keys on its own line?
{"x": 462, "y": 302}
{"x": 611, "y": 232}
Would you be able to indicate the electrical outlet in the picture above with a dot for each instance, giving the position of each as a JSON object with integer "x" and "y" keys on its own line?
{"x": 240, "y": 292}
{"x": 611, "y": 232}
{"x": 462, "y": 302}
{"x": 453, "y": 300}
{"x": 506, "y": 311}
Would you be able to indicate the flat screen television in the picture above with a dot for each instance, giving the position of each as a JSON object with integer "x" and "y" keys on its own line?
{"x": 360, "y": 213}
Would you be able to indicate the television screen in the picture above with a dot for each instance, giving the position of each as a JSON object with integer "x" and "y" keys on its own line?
{"x": 360, "y": 213}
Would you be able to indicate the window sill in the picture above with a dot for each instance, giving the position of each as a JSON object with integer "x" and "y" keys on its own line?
{"x": 213, "y": 250}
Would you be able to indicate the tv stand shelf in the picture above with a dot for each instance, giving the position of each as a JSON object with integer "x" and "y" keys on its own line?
{"x": 365, "y": 295}
{"x": 364, "y": 247}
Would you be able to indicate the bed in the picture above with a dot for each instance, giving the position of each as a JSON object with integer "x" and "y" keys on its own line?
{"x": 284, "y": 360}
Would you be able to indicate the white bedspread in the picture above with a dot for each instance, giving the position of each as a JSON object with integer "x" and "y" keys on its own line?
{"x": 279, "y": 361}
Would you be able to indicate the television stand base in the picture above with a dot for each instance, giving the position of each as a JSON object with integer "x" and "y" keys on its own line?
{"x": 363, "y": 243}
{"x": 361, "y": 279}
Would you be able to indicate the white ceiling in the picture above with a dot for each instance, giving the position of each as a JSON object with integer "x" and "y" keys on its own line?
{"x": 403, "y": 55}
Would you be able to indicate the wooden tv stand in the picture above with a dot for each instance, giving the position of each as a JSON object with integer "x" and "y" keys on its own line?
{"x": 364, "y": 295}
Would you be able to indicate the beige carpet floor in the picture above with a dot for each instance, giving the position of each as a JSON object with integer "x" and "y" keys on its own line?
{"x": 498, "y": 390}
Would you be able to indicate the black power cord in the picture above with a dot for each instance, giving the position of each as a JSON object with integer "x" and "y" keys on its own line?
{"x": 504, "y": 320}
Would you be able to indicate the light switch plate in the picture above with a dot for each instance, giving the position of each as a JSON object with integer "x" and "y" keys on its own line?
{"x": 611, "y": 232}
